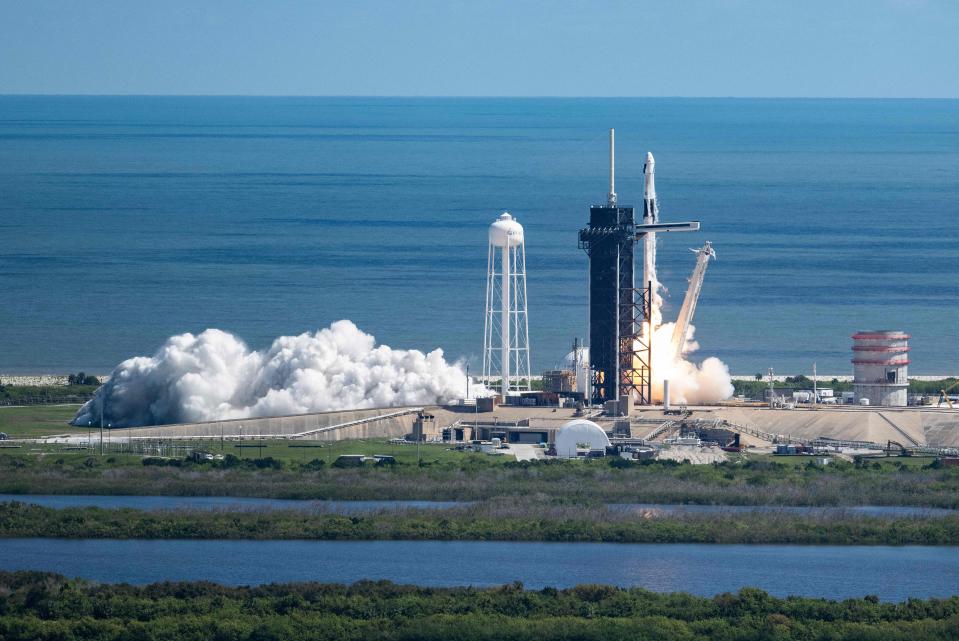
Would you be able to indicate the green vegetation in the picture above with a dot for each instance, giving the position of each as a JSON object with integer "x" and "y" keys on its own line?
{"x": 756, "y": 388}
{"x": 530, "y": 520}
{"x": 45, "y": 394}
{"x": 32, "y": 421}
{"x": 47, "y": 606}
{"x": 305, "y": 473}
{"x": 931, "y": 388}
{"x": 301, "y": 451}
{"x": 83, "y": 378}
{"x": 535, "y": 384}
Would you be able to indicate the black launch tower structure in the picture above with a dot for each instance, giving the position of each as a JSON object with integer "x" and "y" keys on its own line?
{"x": 620, "y": 355}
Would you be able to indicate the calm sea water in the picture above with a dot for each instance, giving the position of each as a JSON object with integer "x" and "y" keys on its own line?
{"x": 125, "y": 220}
{"x": 832, "y": 572}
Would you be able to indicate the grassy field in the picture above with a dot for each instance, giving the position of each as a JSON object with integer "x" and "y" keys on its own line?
{"x": 33, "y": 421}
{"x": 289, "y": 452}
{"x": 304, "y": 469}
{"x": 302, "y": 451}
{"x": 287, "y": 471}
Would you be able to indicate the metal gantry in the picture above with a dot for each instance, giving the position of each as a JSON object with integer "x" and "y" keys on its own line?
{"x": 620, "y": 315}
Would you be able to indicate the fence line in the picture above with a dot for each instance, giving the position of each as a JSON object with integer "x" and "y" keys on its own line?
{"x": 77, "y": 399}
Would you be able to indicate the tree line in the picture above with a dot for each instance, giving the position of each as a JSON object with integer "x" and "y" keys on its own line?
{"x": 43, "y": 606}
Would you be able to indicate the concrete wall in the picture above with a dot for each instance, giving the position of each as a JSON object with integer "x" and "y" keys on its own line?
{"x": 882, "y": 395}
{"x": 389, "y": 427}
{"x": 909, "y": 426}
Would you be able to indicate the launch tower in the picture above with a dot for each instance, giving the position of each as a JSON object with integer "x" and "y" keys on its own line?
{"x": 620, "y": 352}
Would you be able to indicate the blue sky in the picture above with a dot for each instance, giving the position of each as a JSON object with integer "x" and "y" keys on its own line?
{"x": 807, "y": 48}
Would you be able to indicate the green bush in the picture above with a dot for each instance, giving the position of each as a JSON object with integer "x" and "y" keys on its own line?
{"x": 46, "y": 606}
{"x": 159, "y": 461}
{"x": 315, "y": 465}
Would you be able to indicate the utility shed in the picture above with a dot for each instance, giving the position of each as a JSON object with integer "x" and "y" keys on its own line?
{"x": 349, "y": 460}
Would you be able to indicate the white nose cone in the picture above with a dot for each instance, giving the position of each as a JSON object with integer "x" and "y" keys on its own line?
{"x": 506, "y": 231}
{"x": 650, "y": 163}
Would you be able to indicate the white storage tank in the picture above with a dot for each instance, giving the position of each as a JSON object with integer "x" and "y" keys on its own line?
{"x": 880, "y": 367}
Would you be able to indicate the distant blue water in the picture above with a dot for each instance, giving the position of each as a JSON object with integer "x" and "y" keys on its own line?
{"x": 125, "y": 220}
{"x": 829, "y": 572}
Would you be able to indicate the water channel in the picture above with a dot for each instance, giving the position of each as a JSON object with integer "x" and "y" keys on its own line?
{"x": 835, "y": 572}
{"x": 234, "y": 503}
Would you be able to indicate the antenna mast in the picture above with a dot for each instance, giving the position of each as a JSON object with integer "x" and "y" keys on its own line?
{"x": 611, "y": 198}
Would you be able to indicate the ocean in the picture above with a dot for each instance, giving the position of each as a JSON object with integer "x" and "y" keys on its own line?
{"x": 124, "y": 220}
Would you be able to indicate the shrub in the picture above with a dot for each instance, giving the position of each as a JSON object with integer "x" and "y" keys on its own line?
{"x": 159, "y": 461}
{"x": 315, "y": 465}
{"x": 267, "y": 463}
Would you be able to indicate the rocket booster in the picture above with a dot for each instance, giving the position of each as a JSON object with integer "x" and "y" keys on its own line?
{"x": 650, "y": 211}
{"x": 650, "y": 216}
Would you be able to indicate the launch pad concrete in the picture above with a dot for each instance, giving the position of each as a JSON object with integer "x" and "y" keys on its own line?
{"x": 920, "y": 426}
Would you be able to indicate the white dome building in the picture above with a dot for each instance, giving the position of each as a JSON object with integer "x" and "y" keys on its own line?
{"x": 580, "y": 434}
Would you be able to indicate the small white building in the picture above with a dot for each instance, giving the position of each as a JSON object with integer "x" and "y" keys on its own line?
{"x": 580, "y": 434}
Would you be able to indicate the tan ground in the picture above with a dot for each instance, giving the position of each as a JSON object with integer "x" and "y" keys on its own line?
{"x": 909, "y": 426}
{"x": 695, "y": 455}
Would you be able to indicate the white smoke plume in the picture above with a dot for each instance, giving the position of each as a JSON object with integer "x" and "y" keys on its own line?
{"x": 707, "y": 382}
{"x": 214, "y": 375}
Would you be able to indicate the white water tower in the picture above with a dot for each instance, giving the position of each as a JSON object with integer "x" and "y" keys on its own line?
{"x": 506, "y": 327}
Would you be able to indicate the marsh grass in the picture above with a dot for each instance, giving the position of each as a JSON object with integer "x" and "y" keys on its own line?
{"x": 500, "y": 520}
{"x": 467, "y": 477}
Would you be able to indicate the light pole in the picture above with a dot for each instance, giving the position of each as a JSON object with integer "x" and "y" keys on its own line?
{"x": 101, "y": 426}
{"x": 772, "y": 404}
{"x": 815, "y": 391}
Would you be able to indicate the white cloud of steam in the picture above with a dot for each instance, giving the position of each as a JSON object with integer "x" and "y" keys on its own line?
{"x": 214, "y": 375}
{"x": 706, "y": 382}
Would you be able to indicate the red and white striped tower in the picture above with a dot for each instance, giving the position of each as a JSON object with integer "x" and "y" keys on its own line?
{"x": 880, "y": 367}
